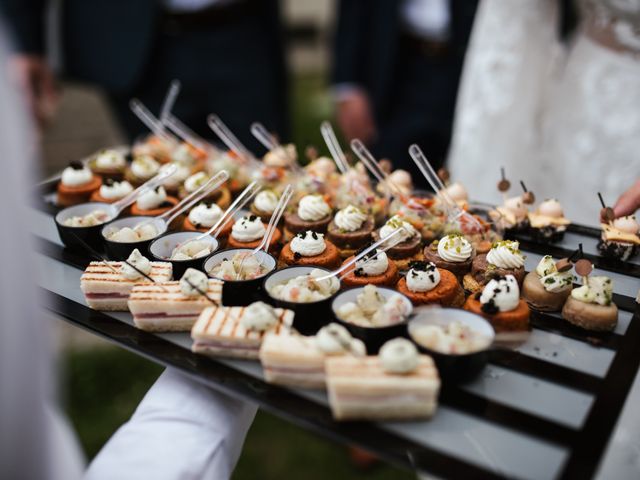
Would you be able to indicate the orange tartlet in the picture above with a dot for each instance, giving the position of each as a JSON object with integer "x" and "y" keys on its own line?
{"x": 330, "y": 258}
{"x": 511, "y": 321}
{"x": 386, "y": 279}
{"x": 68, "y": 196}
{"x": 448, "y": 292}
{"x": 168, "y": 204}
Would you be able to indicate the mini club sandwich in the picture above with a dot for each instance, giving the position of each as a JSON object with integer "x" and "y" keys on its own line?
{"x": 397, "y": 384}
{"x": 298, "y": 361}
{"x": 107, "y": 285}
{"x": 173, "y": 306}
{"x": 238, "y": 331}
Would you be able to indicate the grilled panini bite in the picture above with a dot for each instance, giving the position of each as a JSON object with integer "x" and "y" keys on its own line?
{"x": 162, "y": 307}
{"x": 292, "y": 360}
{"x": 360, "y": 388}
{"x": 105, "y": 289}
{"x": 219, "y": 332}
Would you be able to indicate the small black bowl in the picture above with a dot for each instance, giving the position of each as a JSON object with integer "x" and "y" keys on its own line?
{"x": 453, "y": 368}
{"x": 373, "y": 337}
{"x": 122, "y": 250}
{"x": 90, "y": 235}
{"x": 240, "y": 293}
{"x": 309, "y": 317}
{"x": 161, "y": 248}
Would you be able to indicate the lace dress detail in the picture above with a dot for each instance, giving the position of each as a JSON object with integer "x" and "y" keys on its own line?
{"x": 566, "y": 122}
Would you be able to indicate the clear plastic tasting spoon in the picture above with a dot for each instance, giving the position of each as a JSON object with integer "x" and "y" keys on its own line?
{"x": 271, "y": 227}
{"x": 334, "y": 146}
{"x": 169, "y": 101}
{"x": 364, "y": 253}
{"x": 124, "y": 202}
{"x": 151, "y": 122}
{"x": 190, "y": 200}
{"x": 269, "y": 141}
{"x": 374, "y": 167}
{"x": 184, "y": 133}
{"x": 231, "y": 141}
{"x": 453, "y": 211}
{"x": 247, "y": 194}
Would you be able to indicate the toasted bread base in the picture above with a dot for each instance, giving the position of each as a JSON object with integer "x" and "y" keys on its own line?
{"x": 538, "y": 298}
{"x": 447, "y": 293}
{"x": 68, "y": 196}
{"x": 513, "y": 321}
{"x": 590, "y": 316}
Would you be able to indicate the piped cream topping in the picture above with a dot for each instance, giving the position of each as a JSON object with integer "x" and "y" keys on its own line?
{"x": 144, "y": 167}
{"x": 506, "y": 254}
{"x": 399, "y": 356}
{"x": 312, "y": 208}
{"x": 259, "y": 317}
{"x": 192, "y": 281}
{"x": 396, "y": 222}
{"x": 350, "y": 218}
{"x": 115, "y": 190}
{"x": 308, "y": 244}
{"x": 152, "y": 198}
{"x": 454, "y": 248}
{"x": 140, "y": 262}
{"x": 500, "y": 295}
{"x": 205, "y": 214}
{"x": 422, "y": 277}
{"x": 195, "y": 181}
{"x": 110, "y": 159}
{"x": 334, "y": 339}
{"x": 76, "y": 175}
{"x": 248, "y": 229}
{"x": 266, "y": 201}
{"x": 372, "y": 264}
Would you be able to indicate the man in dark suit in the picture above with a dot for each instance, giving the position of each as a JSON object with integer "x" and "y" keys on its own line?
{"x": 228, "y": 54}
{"x": 396, "y": 70}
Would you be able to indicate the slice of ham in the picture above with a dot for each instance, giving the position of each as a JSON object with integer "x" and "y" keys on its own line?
{"x": 106, "y": 295}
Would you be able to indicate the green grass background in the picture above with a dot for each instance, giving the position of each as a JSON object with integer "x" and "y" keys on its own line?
{"x": 102, "y": 386}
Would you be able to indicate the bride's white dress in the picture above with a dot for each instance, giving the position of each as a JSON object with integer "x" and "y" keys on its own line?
{"x": 565, "y": 119}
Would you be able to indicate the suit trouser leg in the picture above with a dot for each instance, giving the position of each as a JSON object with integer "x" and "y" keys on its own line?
{"x": 424, "y": 93}
{"x": 231, "y": 71}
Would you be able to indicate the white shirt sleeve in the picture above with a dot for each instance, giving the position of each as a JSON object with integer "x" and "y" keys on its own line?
{"x": 181, "y": 430}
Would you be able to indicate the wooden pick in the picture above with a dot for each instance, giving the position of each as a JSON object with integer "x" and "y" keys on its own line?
{"x": 584, "y": 267}
{"x": 528, "y": 198}
{"x": 443, "y": 173}
{"x": 504, "y": 184}
{"x": 564, "y": 265}
{"x": 607, "y": 215}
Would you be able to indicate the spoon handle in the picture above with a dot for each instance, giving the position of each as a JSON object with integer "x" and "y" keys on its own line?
{"x": 263, "y": 136}
{"x": 229, "y": 139}
{"x": 184, "y": 133}
{"x": 169, "y": 100}
{"x": 146, "y": 186}
{"x": 246, "y": 195}
{"x": 275, "y": 218}
{"x": 373, "y": 166}
{"x": 151, "y": 122}
{"x": 334, "y": 146}
{"x": 364, "y": 253}
{"x": 194, "y": 197}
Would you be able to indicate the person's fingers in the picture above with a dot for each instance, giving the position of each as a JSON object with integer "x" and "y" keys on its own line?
{"x": 629, "y": 201}
{"x": 48, "y": 94}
